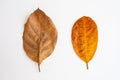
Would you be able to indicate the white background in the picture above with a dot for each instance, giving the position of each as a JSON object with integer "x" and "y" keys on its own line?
{"x": 63, "y": 64}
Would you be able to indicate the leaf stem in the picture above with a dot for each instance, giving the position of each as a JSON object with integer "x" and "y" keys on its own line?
{"x": 39, "y": 67}
{"x": 87, "y": 65}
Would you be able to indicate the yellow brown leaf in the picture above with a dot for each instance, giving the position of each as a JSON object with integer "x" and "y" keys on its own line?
{"x": 85, "y": 38}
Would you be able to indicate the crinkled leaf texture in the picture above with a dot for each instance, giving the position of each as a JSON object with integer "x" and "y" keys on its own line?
{"x": 85, "y": 38}
{"x": 39, "y": 36}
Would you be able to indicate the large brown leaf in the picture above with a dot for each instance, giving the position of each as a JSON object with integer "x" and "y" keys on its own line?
{"x": 39, "y": 37}
{"x": 85, "y": 38}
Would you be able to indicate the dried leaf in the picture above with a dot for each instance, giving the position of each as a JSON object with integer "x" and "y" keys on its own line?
{"x": 85, "y": 38}
{"x": 39, "y": 37}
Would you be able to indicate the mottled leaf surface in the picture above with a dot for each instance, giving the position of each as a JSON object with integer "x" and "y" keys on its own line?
{"x": 85, "y": 38}
{"x": 39, "y": 36}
